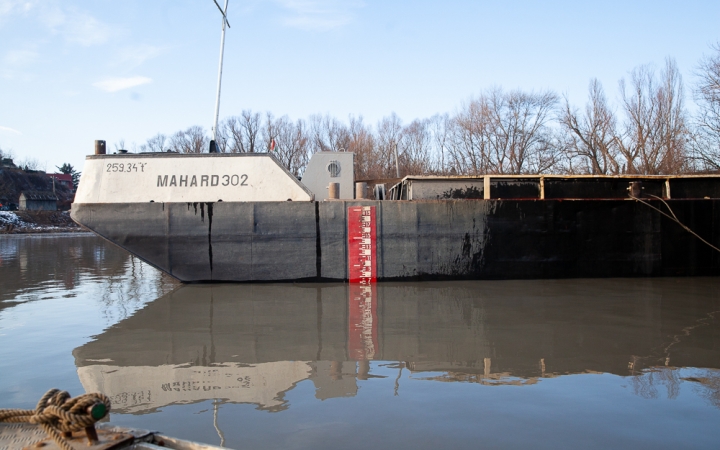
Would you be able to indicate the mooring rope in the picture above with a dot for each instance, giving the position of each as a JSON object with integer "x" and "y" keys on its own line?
{"x": 58, "y": 413}
{"x": 674, "y": 218}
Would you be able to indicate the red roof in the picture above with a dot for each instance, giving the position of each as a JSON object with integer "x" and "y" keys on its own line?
{"x": 61, "y": 177}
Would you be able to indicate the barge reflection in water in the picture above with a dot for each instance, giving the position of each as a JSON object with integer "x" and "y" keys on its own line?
{"x": 257, "y": 343}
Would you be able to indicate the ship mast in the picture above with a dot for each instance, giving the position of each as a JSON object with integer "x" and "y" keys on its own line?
{"x": 223, "y": 11}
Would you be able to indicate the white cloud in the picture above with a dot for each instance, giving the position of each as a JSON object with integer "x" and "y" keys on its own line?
{"x": 9, "y": 130}
{"x": 319, "y": 15}
{"x": 118, "y": 84}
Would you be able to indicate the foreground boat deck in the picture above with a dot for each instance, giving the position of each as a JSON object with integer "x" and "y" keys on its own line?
{"x": 17, "y": 436}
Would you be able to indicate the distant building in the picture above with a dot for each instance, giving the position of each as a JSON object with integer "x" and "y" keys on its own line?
{"x": 63, "y": 179}
{"x": 38, "y": 201}
{"x": 7, "y": 163}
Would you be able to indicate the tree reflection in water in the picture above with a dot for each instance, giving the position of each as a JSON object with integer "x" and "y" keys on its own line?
{"x": 42, "y": 267}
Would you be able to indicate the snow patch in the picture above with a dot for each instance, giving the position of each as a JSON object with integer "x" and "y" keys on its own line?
{"x": 10, "y": 218}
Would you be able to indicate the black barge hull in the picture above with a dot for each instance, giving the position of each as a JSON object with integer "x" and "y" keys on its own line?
{"x": 416, "y": 240}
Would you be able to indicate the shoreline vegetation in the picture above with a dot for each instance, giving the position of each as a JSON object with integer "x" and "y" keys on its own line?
{"x": 36, "y": 222}
{"x": 646, "y": 128}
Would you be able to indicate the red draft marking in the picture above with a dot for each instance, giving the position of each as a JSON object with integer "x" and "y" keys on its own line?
{"x": 362, "y": 323}
{"x": 362, "y": 251}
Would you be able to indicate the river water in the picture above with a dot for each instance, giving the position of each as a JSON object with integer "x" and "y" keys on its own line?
{"x": 613, "y": 363}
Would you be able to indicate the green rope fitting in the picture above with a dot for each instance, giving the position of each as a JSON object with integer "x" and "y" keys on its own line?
{"x": 98, "y": 411}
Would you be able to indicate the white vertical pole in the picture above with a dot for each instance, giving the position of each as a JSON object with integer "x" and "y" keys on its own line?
{"x": 222, "y": 51}
{"x": 397, "y": 165}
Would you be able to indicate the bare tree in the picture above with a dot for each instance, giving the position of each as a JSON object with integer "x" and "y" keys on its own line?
{"x": 250, "y": 125}
{"x": 291, "y": 142}
{"x": 192, "y": 140}
{"x": 361, "y": 141}
{"x": 389, "y": 135}
{"x": 521, "y": 141}
{"x": 509, "y": 133}
{"x": 157, "y": 143}
{"x": 706, "y": 139}
{"x": 417, "y": 149}
{"x": 269, "y": 131}
{"x": 590, "y": 137}
{"x": 469, "y": 138}
{"x": 654, "y": 135}
{"x": 120, "y": 145}
{"x": 440, "y": 127}
{"x": 223, "y": 137}
{"x": 328, "y": 134}
{"x": 240, "y": 134}
{"x": 6, "y": 153}
{"x": 501, "y": 132}
{"x": 28, "y": 163}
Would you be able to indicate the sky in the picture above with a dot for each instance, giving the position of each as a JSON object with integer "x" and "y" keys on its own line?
{"x": 73, "y": 71}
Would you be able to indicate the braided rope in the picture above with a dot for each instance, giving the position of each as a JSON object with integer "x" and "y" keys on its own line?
{"x": 58, "y": 413}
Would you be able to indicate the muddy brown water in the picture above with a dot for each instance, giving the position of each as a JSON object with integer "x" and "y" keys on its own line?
{"x": 612, "y": 363}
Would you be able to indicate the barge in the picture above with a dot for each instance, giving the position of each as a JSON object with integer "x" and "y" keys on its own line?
{"x": 216, "y": 217}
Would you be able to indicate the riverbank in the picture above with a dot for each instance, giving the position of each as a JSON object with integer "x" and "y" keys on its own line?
{"x": 24, "y": 222}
